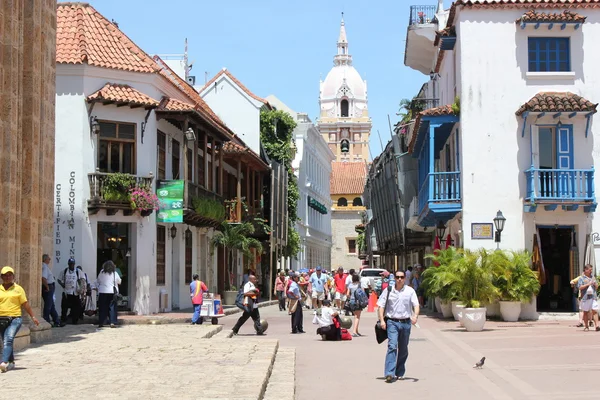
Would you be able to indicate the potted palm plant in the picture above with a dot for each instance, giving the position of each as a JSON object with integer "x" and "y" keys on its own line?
{"x": 234, "y": 238}
{"x": 441, "y": 282}
{"x": 516, "y": 282}
{"x": 475, "y": 288}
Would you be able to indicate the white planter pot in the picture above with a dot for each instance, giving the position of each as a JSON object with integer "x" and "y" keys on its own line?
{"x": 438, "y": 304}
{"x": 473, "y": 319}
{"x": 493, "y": 310}
{"x": 460, "y": 311}
{"x": 510, "y": 310}
{"x": 454, "y": 310}
{"x": 446, "y": 310}
{"x": 529, "y": 310}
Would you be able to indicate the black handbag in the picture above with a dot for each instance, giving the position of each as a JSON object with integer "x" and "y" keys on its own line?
{"x": 5, "y": 322}
{"x": 380, "y": 333}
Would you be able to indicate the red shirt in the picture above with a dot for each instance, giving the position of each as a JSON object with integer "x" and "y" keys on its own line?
{"x": 340, "y": 282}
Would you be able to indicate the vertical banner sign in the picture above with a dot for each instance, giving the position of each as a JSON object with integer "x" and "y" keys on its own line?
{"x": 170, "y": 194}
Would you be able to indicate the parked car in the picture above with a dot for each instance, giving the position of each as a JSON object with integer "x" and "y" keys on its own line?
{"x": 372, "y": 273}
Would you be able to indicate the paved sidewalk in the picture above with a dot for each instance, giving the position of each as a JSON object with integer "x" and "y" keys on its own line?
{"x": 141, "y": 362}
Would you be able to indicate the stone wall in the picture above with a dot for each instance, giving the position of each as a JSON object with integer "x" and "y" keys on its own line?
{"x": 27, "y": 82}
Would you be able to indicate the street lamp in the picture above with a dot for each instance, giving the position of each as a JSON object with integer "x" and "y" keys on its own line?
{"x": 173, "y": 232}
{"x": 95, "y": 125}
{"x": 499, "y": 224}
{"x": 440, "y": 230}
{"x": 190, "y": 136}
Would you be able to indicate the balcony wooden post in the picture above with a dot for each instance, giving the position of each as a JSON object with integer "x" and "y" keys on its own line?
{"x": 186, "y": 193}
{"x": 248, "y": 197}
{"x": 194, "y": 175}
{"x": 206, "y": 162}
{"x": 213, "y": 170}
{"x": 238, "y": 204}
{"x": 431, "y": 149}
{"x": 221, "y": 183}
{"x": 254, "y": 191}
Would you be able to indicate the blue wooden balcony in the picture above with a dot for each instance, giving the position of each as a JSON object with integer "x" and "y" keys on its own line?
{"x": 439, "y": 198}
{"x": 568, "y": 188}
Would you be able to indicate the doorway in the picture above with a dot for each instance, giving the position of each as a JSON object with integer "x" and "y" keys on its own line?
{"x": 114, "y": 244}
{"x": 560, "y": 257}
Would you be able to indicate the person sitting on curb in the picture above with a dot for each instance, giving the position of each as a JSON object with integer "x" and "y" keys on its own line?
{"x": 326, "y": 318}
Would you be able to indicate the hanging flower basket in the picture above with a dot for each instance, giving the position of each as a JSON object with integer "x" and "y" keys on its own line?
{"x": 142, "y": 199}
{"x": 145, "y": 213}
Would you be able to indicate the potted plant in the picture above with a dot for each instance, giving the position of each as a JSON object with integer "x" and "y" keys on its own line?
{"x": 234, "y": 238}
{"x": 116, "y": 186}
{"x": 515, "y": 280}
{"x": 144, "y": 200}
{"x": 441, "y": 281}
{"x": 475, "y": 288}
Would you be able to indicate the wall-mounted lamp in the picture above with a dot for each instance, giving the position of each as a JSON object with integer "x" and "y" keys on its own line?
{"x": 440, "y": 229}
{"x": 190, "y": 136}
{"x": 173, "y": 232}
{"x": 94, "y": 125}
{"x": 499, "y": 223}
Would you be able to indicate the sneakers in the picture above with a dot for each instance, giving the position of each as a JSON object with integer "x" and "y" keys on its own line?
{"x": 3, "y": 367}
{"x": 10, "y": 366}
{"x": 400, "y": 378}
{"x": 389, "y": 379}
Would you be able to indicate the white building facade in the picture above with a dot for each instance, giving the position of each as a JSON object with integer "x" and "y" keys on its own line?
{"x": 515, "y": 129}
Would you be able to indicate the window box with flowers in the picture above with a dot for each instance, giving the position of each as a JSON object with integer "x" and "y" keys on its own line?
{"x": 144, "y": 200}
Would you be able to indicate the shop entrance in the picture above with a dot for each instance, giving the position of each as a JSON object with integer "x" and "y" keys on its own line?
{"x": 560, "y": 257}
{"x": 114, "y": 244}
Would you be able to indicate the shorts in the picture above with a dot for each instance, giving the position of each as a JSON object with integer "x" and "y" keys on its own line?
{"x": 340, "y": 296}
{"x": 588, "y": 305}
{"x": 318, "y": 295}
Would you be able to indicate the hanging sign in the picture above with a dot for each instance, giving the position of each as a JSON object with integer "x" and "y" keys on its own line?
{"x": 170, "y": 194}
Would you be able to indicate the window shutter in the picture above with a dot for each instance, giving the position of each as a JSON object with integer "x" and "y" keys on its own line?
{"x": 535, "y": 146}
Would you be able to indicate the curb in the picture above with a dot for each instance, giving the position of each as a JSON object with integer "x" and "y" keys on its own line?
{"x": 162, "y": 319}
{"x": 281, "y": 383}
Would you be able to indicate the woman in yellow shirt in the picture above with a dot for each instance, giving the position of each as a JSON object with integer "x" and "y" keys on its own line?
{"x": 12, "y": 298}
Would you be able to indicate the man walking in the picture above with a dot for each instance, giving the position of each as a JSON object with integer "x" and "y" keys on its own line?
{"x": 70, "y": 298}
{"x": 295, "y": 308}
{"x": 402, "y": 310}
{"x": 48, "y": 287}
{"x": 251, "y": 307}
{"x": 197, "y": 290}
{"x": 340, "y": 288}
{"x": 318, "y": 281}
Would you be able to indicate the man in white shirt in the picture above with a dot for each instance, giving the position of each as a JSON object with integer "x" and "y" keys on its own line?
{"x": 398, "y": 309}
{"x": 48, "y": 287}
{"x": 251, "y": 293}
{"x": 70, "y": 298}
{"x": 327, "y": 328}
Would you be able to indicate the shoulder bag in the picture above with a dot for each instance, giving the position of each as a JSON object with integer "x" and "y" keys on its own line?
{"x": 380, "y": 333}
{"x": 116, "y": 295}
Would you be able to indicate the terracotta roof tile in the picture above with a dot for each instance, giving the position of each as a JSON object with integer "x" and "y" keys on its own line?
{"x": 348, "y": 177}
{"x": 557, "y": 102}
{"x": 234, "y": 149}
{"x": 84, "y": 36}
{"x": 565, "y": 16}
{"x": 430, "y": 112}
{"x": 122, "y": 94}
{"x": 224, "y": 71}
{"x": 170, "y": 104}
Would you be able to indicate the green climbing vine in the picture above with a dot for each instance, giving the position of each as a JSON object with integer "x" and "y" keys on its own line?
{"x": 276, "y": 135}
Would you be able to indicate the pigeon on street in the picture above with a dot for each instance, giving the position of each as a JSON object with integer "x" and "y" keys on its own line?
{"x": 479, "y": 364}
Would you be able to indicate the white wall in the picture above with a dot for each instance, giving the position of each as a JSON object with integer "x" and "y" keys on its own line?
{"x": 343, "y": 224}
{"x": 240, "y": 112}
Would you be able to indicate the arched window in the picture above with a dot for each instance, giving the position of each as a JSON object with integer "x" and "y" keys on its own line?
{"x": 357, "y": 202}
{"x": 344, "y": 107}
{"x": 342, "y": 202}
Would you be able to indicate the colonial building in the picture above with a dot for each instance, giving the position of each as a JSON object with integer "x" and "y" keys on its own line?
{"x": 125, "y": 121}
{"x": 515, "y": 130}
{"x": 345, "y": 125}
{"x": 312, "y": 167}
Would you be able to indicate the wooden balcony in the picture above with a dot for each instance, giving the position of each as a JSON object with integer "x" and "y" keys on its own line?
{"x": 568, "y": 188}
{"x": 106, "y": 193}
{"x": 439, "y": 198}
{"x": 209, "y": 214}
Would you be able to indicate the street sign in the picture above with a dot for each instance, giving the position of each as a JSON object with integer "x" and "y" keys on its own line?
{"x": 170, "y": 194}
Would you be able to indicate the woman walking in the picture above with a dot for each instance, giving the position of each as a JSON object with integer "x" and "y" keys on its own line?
{"x": 354, "y": 304}
{"x": 588, "y": 286}
{"x": 108, "y": 287}
{"x": 280, "y": 290}
{"x": 12, "y": 298}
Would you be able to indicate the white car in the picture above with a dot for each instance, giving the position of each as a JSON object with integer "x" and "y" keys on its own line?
{"x": 372, "y": 274}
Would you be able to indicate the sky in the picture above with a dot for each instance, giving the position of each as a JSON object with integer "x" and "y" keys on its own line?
{"x": 282, "y": 47}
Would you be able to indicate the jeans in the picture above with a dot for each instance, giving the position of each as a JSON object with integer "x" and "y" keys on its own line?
{"x": 297, "y": 318}
{"x": 106, "y": 308}
{"x": 8, "y": 337}
{"x": 49, "y": 308}
{"x": 281, "y": 299}
{"x": 196, "y": 317}
{"x": 397, "y": 351}
{"x": 254, "y": 314}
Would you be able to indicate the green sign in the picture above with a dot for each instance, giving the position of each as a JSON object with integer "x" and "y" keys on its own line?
{"x": 170, "y": 194}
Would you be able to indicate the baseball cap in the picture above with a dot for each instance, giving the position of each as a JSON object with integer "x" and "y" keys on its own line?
{"x": 319, "y": 268}
{"x": 6, "y": 270}
{"x": 71, "y": 260}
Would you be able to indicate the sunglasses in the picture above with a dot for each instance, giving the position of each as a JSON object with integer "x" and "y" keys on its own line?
{"x": 400, "y": 276}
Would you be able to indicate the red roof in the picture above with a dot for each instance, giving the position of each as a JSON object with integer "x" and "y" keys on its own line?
{"x": 430, "y": 112}
{"x": 565, "y": 16}
{"x": 84, "y": 36}
{"x": 348, "y": 177}
{"x": 557, "y": 102}
{"x": 170, "y": 104}
{"x": 224, "y": 71}
{"x": 122, "y": 94}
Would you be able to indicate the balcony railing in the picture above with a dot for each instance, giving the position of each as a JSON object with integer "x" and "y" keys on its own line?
{"x": 246, "y": 212}
{"x": 439, "y": 187}
{"x": 113, "y": 194}
{"x": 420, "y": 15}
{"x": 194, "y": 190}
{"x": 560, "y": 184}
{"x": 417, "y": 105}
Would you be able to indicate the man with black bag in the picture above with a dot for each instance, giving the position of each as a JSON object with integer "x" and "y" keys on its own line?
{"x": 250, "y": 304}
{"x": 398, "y": 309}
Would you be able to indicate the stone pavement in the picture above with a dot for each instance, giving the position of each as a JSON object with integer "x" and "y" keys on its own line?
{"x": 142, "y": 361}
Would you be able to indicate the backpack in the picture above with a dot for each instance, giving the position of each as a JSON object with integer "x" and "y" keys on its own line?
{"x": 361, "y": 298}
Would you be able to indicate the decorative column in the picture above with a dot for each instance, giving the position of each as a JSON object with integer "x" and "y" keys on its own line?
{"x": 27, "y": 90}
